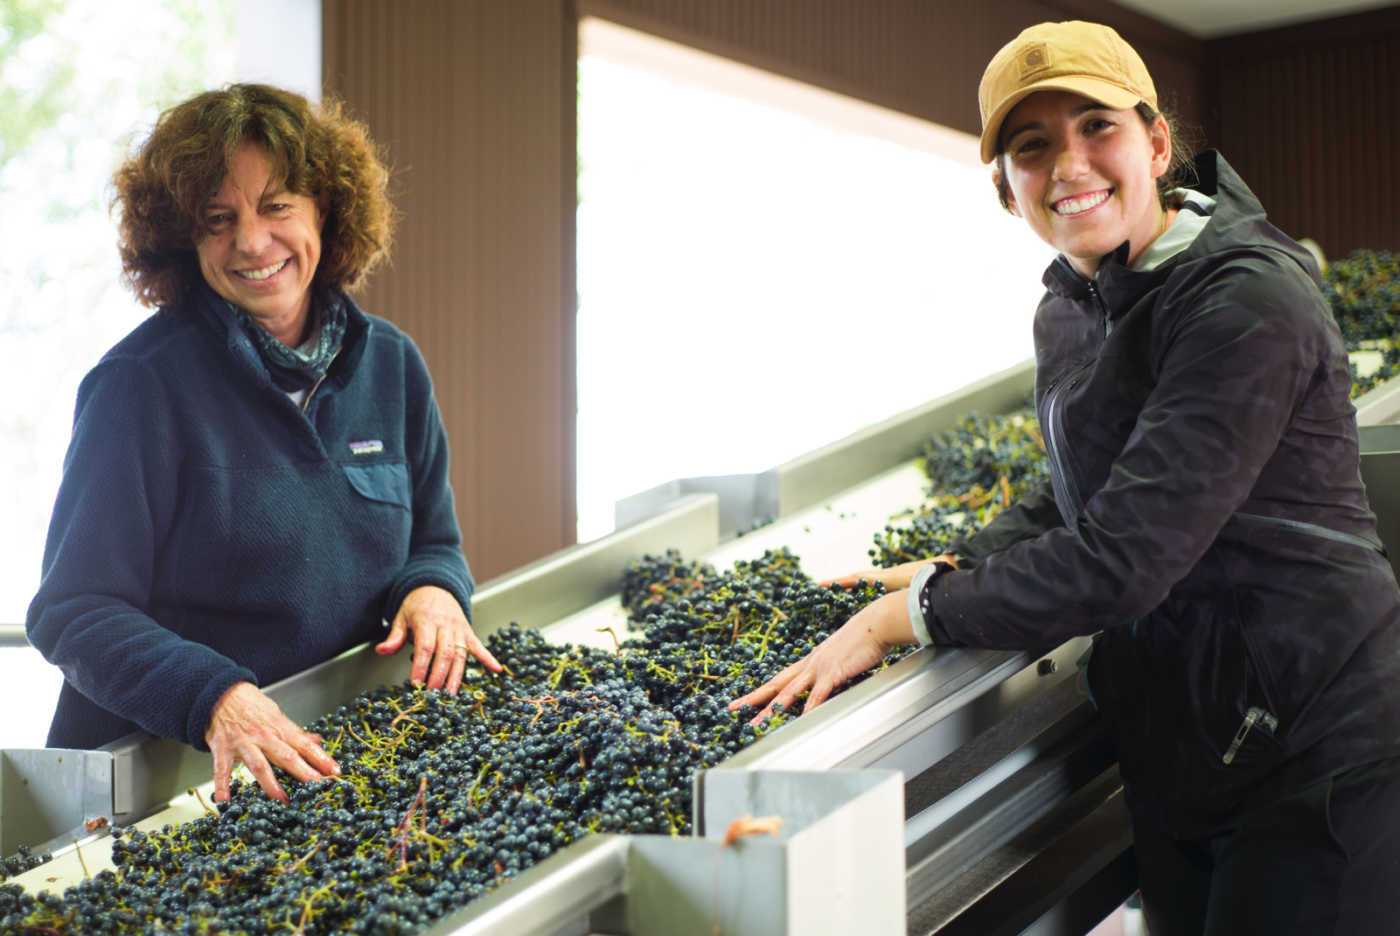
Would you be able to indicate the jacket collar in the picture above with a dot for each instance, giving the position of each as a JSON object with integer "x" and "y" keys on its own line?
{"x": 212, "y": 308}
{"x": 1238, "y": 220}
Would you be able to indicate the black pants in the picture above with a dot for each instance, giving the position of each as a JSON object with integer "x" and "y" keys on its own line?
{"x": 1322, "y": 862}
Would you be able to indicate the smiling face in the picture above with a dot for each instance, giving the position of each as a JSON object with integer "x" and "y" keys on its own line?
{"x": 261, "y": 244}
{"x": 1085, "y": 176}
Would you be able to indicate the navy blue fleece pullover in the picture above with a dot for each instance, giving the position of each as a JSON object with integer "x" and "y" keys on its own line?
{"x": 208, "y": 531}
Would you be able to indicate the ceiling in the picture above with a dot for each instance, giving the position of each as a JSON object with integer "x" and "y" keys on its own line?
{"x": 1207, "y": 19}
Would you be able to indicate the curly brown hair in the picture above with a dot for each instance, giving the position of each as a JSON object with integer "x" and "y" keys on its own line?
{"x": 319, "y": 152}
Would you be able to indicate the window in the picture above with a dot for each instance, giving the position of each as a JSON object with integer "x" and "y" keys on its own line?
{"x": 80, "y": 81}
{"x": 765, "y": 267}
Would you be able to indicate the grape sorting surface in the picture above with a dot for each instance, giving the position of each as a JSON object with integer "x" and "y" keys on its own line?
{"x": 442, "y": 798}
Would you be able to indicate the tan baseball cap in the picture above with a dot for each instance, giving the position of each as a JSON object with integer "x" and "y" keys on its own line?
{"x": 1084, "y": 58}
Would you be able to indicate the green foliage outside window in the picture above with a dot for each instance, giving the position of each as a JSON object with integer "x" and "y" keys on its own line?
{"x": 31, "y": 93}
{"x": 80, "y": 80}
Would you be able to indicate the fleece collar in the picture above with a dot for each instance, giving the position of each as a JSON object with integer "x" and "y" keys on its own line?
{"x": 225, "y": 322}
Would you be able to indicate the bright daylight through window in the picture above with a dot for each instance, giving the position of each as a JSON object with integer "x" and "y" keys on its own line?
{"x": 80, "y": 81}
{"x": 765, "y": 267}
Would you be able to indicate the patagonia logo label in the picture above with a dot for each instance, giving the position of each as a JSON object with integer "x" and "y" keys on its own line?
{"x": 367, "y": 447}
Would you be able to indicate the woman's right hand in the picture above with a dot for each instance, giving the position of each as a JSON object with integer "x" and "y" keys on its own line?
{"x": 249, "y": 727}
{"x": 893, "y": 578}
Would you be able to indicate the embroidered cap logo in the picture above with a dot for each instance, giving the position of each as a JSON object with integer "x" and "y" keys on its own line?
{"x": 1036, "y": 58}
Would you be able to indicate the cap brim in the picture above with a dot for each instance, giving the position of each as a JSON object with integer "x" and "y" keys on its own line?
{"x": 1106, "y": 93}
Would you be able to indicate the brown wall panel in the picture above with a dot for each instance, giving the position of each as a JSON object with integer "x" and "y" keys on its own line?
{"x": 474, "y": 103}
{"x": 915, "y": 56}
{"x": 1307, "y": 114}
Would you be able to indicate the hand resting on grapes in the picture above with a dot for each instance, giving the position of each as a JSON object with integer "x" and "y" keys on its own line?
{"x": 853, "y": 648}
{"x": 249, "y": 727}
{"x": 850, "y": 650}
{"x": 441, "y": 636}
{"x": 893, "y": 578}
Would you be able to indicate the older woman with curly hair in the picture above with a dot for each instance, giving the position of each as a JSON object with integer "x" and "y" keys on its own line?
{"x": 257, "y": 477}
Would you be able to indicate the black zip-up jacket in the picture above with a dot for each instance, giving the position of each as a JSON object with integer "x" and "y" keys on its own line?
{"x": 1206, "y": 513}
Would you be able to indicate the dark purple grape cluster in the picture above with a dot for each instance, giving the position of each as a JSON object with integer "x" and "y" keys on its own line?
{"x": 443, "y": 797}
{"x": 725, "y": 635}
{"x": 21, "y": 861}
{"x": 975, "y": 470}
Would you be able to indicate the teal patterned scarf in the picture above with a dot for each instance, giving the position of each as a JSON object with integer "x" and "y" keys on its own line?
{"x": 301, "y": 367}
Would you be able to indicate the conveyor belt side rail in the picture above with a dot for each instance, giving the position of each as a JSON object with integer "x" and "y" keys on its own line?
{"x": 834, "y": 866}
{"x": 137, "y": 775}
{"x": 748, "y": 499}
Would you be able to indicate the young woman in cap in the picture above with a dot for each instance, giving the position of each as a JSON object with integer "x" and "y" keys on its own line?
{"x": 1205, "y": 516}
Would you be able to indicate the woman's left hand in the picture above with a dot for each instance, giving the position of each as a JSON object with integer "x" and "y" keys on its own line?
{"x": 442, "y": 638}
{"x": 850, "y": 650}
{"x": 893, "y": 578}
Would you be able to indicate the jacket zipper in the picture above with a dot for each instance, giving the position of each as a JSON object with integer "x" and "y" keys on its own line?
{"x": 1312, "y": 529}
{"x": 1255, "y": 716}
{"x": 1061, "y": 479}
{"x": 1094, "y": 293}
{"x": 1103, "y": 309}
{"x": 306, "y": 400}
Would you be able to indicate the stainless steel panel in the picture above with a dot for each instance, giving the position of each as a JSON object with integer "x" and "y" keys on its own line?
{"x": 744, "y": 499}
{"x": 951, "y": 784}
{"x": 872, "y": 723}
{"x": 807, "y": 480}
{"x": 730, "y": 794}
{"x": 841, "y": 846}
{"x": 692, "y": 887}
{"x": 46, "y": 795}
{"x": 816, "y": 476}
{"x": 574, "y": 578}
{"x": 1380, "y": 471}
{"x": 836, "y": 866}
{"x": 1069, "y": 757}
{"x": 149, "y": 772}
{"x": 925, "y": 734}
{"x": 1059, "y": 876}
{"x": 555, "y": 896}
{"x": 1380, "y": 406}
